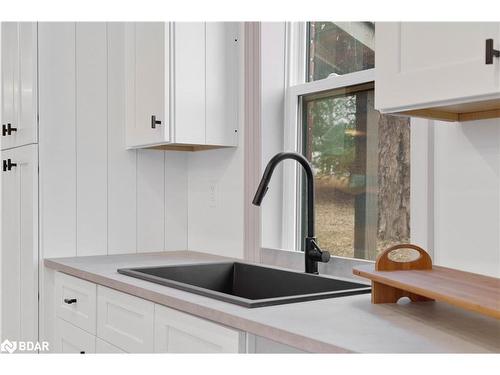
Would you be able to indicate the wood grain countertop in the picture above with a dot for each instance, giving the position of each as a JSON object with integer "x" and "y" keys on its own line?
{"x": 345, "y": 324}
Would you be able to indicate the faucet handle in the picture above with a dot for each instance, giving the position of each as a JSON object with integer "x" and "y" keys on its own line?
{"x": 325, "y": 256}
{"x": 314, "y": 251}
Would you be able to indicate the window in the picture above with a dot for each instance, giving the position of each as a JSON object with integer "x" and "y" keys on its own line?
{"x": 361, "y": 159}
{"x": 336, "y": 48}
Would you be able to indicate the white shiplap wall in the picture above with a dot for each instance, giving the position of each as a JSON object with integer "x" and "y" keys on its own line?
{"x": 96, "y": 197}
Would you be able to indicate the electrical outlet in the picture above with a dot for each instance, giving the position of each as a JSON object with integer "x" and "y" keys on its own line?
{"x": 212, "y": 194}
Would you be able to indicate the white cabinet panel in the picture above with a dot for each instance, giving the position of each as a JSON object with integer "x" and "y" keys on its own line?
{"x": 177, "y": 332}
{"x": 222, "y": 75}
{"x": 76, "y": 301}
{"x": 91, "y": 138}
{"x": 71, "y": 339}
{"x": 125, "y": 321}
{"x": 423, "y": 63}
{"x": 19, "y": 83}
{"x": 102, "y": 347}
{"x": 151, "y": 68}
{"x": 9, "y": 62}
{"x": 147, "y": 54}
{"x": 20, "y": 244}
{"x": 28, "y": 64}
{"x": 189, "y": 82}
{"x": 57, "y": 138}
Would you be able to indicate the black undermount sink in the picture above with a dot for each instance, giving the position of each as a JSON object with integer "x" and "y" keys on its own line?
{"x": 246, "y": 284}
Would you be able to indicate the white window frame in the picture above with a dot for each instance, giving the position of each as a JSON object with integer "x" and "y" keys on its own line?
{"x": 297, "y": 87}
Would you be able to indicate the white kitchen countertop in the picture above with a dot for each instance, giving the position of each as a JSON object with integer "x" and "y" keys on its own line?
{"x": 345, "y": 324}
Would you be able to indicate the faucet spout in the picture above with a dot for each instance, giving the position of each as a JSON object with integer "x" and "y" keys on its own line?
{"x": 313, "y": 253}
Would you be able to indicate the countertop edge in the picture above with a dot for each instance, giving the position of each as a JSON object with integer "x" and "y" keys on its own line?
{"x": 272, "y": 333}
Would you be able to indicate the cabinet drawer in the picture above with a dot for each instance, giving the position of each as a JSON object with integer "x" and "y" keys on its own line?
{"x": 177, "y": 332}
{"x": 125, "y": 321}
{"x": 103, "y": 347}
{"x": 76, "y": 301}
{"x": 71, "y": 339}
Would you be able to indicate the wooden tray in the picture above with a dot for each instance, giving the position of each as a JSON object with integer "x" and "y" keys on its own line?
{"x": 421, "y": 281}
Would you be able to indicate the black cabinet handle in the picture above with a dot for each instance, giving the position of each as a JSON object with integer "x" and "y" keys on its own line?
{"x": 7, "y": 165}
{"x": 70, "y": 301}
{"x": 8, "y": 129}
{"x": 154, "y": 122}
{"x": 82, "y": 352}
{"x": 490, "y": 52}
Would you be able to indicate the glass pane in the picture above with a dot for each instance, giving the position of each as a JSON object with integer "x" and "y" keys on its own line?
{"x": 362, "y": 173}
{"x": 339, "y": 47}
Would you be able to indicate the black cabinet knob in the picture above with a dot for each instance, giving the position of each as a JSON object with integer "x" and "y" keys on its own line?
{"x": 70, "y": 301}
{"x": 490, "y": 52}
{"x": 154, "y": 122}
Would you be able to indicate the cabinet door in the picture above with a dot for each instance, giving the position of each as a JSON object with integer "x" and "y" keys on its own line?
{"x": 71, "y": 339}
{"x": 222, "y": 83}
{"x": 20, "y": 83}
{"x": 147, "y": 69}
{"x": 9, "y": 55}
{"x": 178, "y": 332}
{"x": 420, "y": 63}
{"x": 20, "y": 245}
{"x": 189, "y": 83}
{"x": 125, "y": 321}
{"x": 102, "y": 347}
{"x": 75, "y": 301}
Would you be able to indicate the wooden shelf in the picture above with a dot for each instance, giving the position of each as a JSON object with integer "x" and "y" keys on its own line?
{"x": 421, "y": 281}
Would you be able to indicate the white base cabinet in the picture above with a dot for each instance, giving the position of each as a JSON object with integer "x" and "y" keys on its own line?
{"x": 177, "y": 332}
{"x": 437, "y": 69}
{"x": 183, "y": 84}
{"x": 103, "y": 320}
{"x": 102, "y": 347}
{"x": 125, "y": 321}
{"x": 71, "y": 339}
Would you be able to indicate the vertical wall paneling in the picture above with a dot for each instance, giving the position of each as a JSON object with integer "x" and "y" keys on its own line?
{"x": 466, "y": 196}
{"x": 91, "y": 136}
{"x": 57, "y": 138}
{"x": 150, "y": 201}
{"x": 176, "y": 187}
{"x": 122, "y": 186}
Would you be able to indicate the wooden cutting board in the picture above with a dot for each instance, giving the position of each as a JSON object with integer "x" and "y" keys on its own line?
{"x": 421, "y": 281}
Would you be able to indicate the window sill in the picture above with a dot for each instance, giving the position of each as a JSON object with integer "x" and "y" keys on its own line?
{"x": 338, "y": 266}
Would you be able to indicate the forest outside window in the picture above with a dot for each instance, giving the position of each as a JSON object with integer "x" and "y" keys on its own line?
{"x": 361, "y": 159}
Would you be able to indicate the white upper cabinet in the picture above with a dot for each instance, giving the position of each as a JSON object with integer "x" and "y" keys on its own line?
{"x": 182, "y": 85}
{"x": 19, "y": 84}
{"x": 437, "y": 70}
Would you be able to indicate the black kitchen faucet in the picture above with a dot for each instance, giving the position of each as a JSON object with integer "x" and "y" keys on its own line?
{"x": 313, "y": 253}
